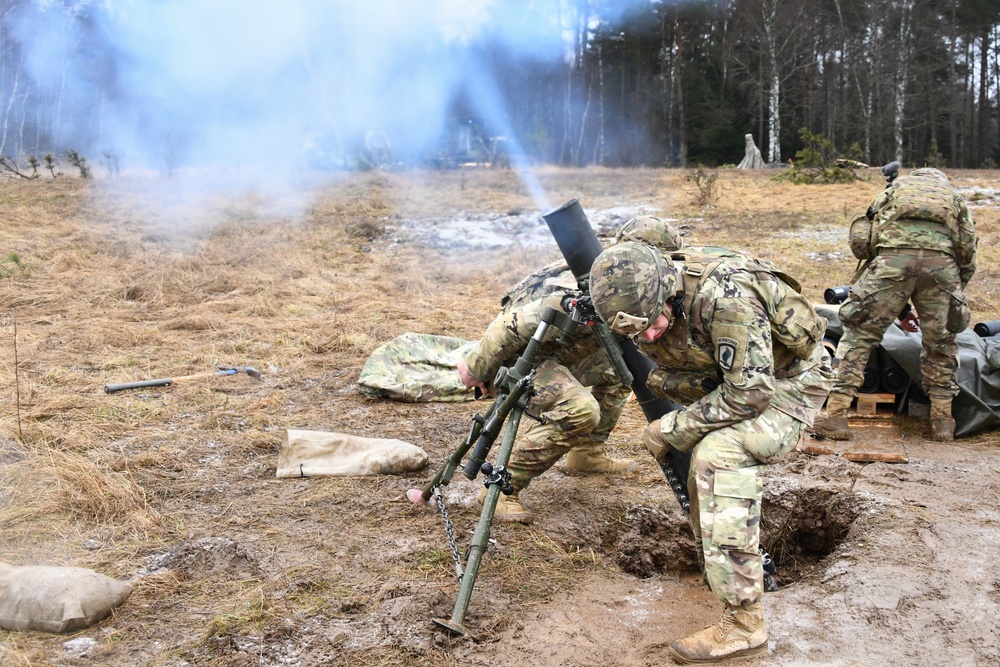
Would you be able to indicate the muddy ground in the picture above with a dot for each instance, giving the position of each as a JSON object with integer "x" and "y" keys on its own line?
{"x": 174, "y": 488}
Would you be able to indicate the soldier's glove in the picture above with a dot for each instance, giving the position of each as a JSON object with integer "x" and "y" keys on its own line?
{"x": 910, "y": 322}
{"x": 654, "y": 442}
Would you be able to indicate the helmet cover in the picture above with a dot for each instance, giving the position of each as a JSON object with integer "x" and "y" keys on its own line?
{"x": 630, "y": 283}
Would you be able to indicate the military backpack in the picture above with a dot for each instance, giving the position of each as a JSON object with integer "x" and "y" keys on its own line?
{"x": 913, "y": 197}
{"x": 552, "y": 278}
{"x": 794, "y": 322}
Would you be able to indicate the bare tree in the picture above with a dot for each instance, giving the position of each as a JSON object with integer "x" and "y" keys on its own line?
{"x": 905, "y": 45}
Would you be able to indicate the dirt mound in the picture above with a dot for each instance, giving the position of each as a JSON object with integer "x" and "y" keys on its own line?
{"x": 207, "y": 557}
{"x": 655, "y": 542}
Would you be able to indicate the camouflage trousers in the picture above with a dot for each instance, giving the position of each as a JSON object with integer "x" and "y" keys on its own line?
{"x": 726, "y": 490}
{"x": 932, "y": 283}
{"x": 575, "y": 415}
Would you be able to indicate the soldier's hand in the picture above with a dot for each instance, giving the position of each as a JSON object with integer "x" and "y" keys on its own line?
{"x": 654, "y": 442}
{"x": 468, "y": 379}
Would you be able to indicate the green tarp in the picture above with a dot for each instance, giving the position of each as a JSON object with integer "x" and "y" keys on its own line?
{"x": 978, "y": 402}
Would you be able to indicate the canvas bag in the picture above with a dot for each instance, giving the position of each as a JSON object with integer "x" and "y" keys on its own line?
{"x": 56, "y": 599}
{"x": 321, "y": 453}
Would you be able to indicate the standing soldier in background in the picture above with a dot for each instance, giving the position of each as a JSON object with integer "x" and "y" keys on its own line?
{"x": 920, "y": 245}
{"x": 740, "y": 322}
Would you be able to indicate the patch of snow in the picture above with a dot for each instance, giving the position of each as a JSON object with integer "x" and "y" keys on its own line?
{"x": 495, "y": 231}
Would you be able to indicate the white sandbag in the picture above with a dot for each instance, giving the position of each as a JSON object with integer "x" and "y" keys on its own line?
{"x": 56, "y": 599}
{"x": 319, "y": 453}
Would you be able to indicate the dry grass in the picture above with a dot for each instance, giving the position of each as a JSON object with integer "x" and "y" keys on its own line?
{"x": 50, "y": 483}
{"x": 114, "y": 293}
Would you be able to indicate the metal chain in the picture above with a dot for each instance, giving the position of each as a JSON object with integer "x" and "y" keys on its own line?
{"x": 450, "y": 530}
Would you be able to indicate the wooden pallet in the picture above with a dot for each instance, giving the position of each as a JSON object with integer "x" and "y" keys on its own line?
{"x": 874, "y": 435}
{"x": 875, "y": 405}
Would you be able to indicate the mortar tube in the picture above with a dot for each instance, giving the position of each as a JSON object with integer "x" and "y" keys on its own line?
{"x": 579, "y": 246}
{"x": 575, "y": 237}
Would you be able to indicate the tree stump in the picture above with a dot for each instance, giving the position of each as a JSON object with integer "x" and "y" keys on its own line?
{"x": 752, "y": 159}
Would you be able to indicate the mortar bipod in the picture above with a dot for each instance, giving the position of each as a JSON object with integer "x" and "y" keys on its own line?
{"x": 515, "y": 386}
{"x": 485, "y": 429}
{"x": 497, "y": 480}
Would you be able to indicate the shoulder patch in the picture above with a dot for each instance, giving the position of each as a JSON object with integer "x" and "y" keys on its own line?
{"x": 732, "y": 345}
{"x": 727, "y": 351}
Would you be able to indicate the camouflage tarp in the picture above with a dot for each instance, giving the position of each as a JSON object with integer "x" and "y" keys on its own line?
{"x": 416, "y": 368}
{"x": 977, "y": 406}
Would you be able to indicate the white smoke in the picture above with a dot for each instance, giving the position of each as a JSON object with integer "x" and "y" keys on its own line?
{"x": 263, "y": 88}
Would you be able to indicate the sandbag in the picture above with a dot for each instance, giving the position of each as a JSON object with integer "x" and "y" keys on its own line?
{"x": 56, "y": 599}
{"x": 320, "y": 453}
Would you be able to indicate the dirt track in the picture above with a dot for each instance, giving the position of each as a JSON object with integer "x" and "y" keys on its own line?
{"x": 174, "y": 489}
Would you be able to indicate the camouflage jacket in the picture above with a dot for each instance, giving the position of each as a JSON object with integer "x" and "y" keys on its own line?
{"x": 507, "y": 336}
{"x": 725, "y": 330}
{"x": 555, "y": 277}
{"x": 945, "y": 224}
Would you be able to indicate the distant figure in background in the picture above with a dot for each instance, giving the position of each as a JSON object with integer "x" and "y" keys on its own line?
{"x": 378, "y": 146}
{"x": 752, "y": 159}
{"x": 921, "y": 247}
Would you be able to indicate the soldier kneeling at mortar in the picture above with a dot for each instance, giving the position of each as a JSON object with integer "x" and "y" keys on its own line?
{"x": 737, "y": 320}
{"x": 576, "y": 389}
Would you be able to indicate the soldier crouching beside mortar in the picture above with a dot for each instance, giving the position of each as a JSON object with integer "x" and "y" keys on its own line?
{"x": 577, "y": 420}
{"x": 920, "y": 246}
{"x": 732, "y": 318}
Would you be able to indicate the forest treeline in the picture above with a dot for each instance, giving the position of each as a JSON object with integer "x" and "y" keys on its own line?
{"x": 662, "y": 83}
{"x": 682, "y": 83}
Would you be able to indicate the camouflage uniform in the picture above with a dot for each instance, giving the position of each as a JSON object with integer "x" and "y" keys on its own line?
{"x": 925, "y": 241}
{"x": 727, "y": 326}
{"x": 576, "y": 417}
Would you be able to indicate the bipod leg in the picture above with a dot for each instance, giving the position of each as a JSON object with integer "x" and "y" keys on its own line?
{"x": 445, "y": 472}
{"x": 481, "y": 538}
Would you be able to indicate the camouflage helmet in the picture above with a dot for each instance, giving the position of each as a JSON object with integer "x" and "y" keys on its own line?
{"x": 931, "y": 172}
{"x": 652, "y": 231}
{"x": 629, "y": 284}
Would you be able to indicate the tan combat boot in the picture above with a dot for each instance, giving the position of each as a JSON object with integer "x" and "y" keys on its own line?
{"x": 740, "y": 632}
{"x": 592, "y": 458}
{"x": 834, "y": 425}
{"x": 942, "y": 423}
{"x": 509, "y": 508}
